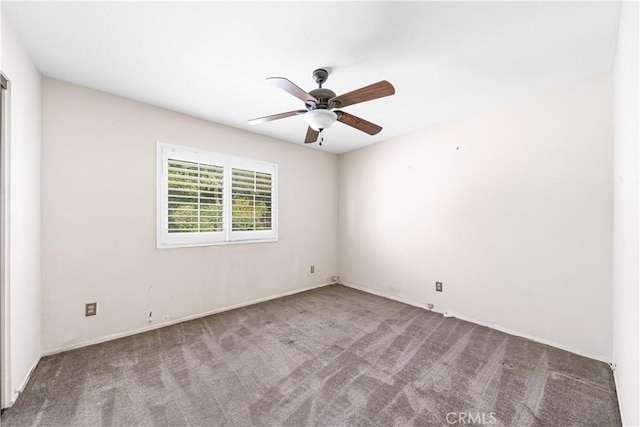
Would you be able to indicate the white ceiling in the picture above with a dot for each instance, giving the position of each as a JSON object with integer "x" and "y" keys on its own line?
{"x": 211, "y": 59}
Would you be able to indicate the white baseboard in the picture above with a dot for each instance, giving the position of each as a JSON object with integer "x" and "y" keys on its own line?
{"x": 615, "y": 383}
{"x": 174, "y": 321}
{"x": 479, "y": 322}
{"x": 16, "y": 392}
{"x": 351, "y": 285}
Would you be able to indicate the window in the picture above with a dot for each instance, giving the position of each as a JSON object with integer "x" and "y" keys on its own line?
{"x": 207, "y": 198}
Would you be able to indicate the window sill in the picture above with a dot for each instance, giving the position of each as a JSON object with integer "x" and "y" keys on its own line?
{"x": 225, "y": 243}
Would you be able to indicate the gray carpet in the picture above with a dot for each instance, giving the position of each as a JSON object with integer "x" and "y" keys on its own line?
{"x": 327, "y": 357}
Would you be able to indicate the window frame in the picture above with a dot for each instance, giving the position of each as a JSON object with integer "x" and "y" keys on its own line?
{"x": 164, "y": 239}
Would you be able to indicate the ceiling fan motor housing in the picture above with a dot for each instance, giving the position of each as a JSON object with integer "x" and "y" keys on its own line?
{"x": 323, "y": 96}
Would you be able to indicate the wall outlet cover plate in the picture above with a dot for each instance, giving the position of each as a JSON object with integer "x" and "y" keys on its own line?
{"x": 91, "y": 309}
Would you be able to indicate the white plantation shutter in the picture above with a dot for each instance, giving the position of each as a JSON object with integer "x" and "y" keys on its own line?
{"x": 207, "y": 198}
{"x": 251, "y": 200}
{"x": 194, "y": 197}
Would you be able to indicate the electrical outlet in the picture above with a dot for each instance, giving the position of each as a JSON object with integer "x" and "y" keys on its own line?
{"x": 438, "y": 286}
{"x": 430, "y": 306}
{"x": 313, "y": 269}
{"x": 90, "y": 309}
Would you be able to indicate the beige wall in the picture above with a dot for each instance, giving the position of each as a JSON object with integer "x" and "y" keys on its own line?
{"x": 626, "y": 215}
{"x": 23, "y": 266}
{"x": 510, "y": 208}
{"x": 99, "y": 220}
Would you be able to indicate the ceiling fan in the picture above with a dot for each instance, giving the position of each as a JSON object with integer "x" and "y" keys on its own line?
{"x": 320, "y": 103}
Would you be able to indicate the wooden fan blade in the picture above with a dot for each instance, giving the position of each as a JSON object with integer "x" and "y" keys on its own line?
{"x": 275, "y": 117}
{"x": 288, "y": 86}
{"x": 367, "y": 93}
{"x": 358, "y": 123}
{"x": 312, "y": 136}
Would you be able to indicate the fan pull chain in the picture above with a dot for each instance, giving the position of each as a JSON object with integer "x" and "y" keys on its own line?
{"x": 321, "y": 136}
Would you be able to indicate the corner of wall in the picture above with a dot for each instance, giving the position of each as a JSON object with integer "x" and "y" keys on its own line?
{"x": 626, "y": 224}
{"x": 23, "y": 200}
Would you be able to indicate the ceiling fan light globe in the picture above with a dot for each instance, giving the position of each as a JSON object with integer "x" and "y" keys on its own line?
{"x": 320, "y": 119}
